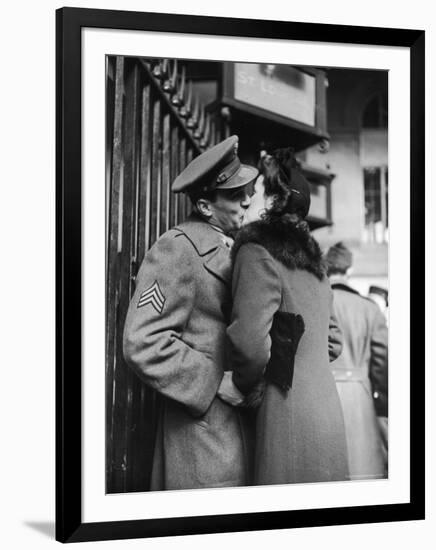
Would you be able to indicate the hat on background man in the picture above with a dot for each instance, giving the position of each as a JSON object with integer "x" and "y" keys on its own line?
{"x": 218, "y": 168}
{"x": 338, "y": 258}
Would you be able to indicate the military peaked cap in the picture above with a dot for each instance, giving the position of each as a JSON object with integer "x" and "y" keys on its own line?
{"x": 217, "y": 168}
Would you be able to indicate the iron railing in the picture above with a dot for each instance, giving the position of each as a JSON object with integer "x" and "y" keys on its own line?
{"x": 155, "y": 127}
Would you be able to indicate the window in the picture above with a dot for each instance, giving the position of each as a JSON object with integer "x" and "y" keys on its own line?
{"x": 376, "y": 205}
{"x": 375, "y": 114}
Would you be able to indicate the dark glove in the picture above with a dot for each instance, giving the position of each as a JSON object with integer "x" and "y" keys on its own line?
{"x": 286, "y": 331}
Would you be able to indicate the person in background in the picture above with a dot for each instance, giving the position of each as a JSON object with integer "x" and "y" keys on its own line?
{"x": 361, "y": 372}
{"x": 175, "y": 330}
{"x": 380, "y": 295}
{"x": 282, "y": 333}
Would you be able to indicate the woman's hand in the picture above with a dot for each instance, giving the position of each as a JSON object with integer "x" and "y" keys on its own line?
{"x": 255, "y": 397}
{"x": 228, "y": 392}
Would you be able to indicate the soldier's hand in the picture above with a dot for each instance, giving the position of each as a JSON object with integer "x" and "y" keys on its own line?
{"x": 228, "y": 392}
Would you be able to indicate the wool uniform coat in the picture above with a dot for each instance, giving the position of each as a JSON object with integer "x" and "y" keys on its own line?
{"x": 174, "y": 339}
{"x": 361, "y": 374}
{"x": 300, "y": 435}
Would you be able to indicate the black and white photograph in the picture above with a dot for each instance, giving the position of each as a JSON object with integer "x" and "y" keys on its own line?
{"x": 247, "y": 282}
{"x": 237, "y": 275}
{"x": 217, "y": 279}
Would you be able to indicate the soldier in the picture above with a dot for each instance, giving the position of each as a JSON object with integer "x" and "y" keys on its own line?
{"x": 361, "y": 371}
{"x": 175, "y": 330}
{"x": 379, "y": 296}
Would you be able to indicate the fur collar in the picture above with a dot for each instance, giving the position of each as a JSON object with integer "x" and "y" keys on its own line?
{"x": 288, "y": 242}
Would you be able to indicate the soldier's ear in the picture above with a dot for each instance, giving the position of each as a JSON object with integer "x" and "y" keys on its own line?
{"x": 203, "y": 207}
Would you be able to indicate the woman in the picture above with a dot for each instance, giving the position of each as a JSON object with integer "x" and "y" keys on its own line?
{"x": 279, "y": 333}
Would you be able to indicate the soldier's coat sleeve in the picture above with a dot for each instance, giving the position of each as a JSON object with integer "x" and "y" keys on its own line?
{"x": 153, "y": 341}
{"x": 335, "y": 341}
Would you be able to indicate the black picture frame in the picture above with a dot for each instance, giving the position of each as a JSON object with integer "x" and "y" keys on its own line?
{"x": 69, "y": 525}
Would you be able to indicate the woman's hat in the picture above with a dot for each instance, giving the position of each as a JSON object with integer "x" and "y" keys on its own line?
{"x": 300, "y": 193}
{"x": 298, "y": 184}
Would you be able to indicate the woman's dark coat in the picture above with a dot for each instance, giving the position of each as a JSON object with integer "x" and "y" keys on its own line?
{"x": 300, "y": 435}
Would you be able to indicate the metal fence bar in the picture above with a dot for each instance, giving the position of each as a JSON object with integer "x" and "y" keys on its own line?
{"x": 166, "y": 191}
{"x": 123, "y": 376}
{"x": 174, "y": 171}
{"x": 189, "y": 157}
{"x": 165, "y": 100}
{"x": 141, "y": 431}
{"x": 149, "y": 143}
{"x": 110, "y": 111}
{"x": 112, "y": 268}
{"x": 129, "y": 253}
{"x": 182, "y": 164}
{"x": 155, "y": 171}
{"x": 144, "y": 195}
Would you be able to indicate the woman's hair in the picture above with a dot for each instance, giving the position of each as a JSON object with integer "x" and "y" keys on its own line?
{"x": 291, "y": 201}
{"x": 284, "y": 182}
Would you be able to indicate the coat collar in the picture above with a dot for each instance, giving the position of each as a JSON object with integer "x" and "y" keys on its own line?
{"x": 344, "y": 287}
{"x": 219, "y": 264}
{"x": 287, "y": 239}
{"x": 203, "y": 236}
{"x": 209, "y": 244}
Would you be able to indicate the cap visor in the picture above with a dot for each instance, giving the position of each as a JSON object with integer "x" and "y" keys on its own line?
{"x": 246, "y": 174}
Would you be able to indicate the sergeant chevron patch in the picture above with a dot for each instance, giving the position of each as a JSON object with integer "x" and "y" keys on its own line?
{"x": 154, "y": 296}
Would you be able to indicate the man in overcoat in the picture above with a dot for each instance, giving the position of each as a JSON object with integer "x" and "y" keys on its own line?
{"x": 361, "y": 371}
{"x": 175, "y": 330}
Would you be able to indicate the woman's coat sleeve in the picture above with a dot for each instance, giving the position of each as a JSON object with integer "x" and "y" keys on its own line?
{"x": 256, "y": 290}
